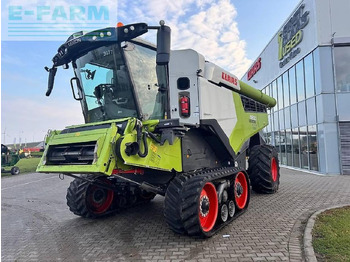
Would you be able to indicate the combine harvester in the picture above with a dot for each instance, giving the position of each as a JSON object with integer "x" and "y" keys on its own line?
{"x": 159, "y": 122}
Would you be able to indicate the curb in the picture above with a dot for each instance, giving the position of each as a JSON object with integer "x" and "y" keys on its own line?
{"x": 307, "y": 240}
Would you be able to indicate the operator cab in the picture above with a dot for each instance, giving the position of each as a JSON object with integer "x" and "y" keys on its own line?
{"x": 117, "y": 75}
{"x": 114, "y": 78}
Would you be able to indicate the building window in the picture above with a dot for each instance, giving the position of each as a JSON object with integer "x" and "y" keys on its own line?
{"x": 268, "y": 139}
{"x": 287, "y": 117}
{"x": 302, "y": 113}
{"x": 342, "y": 68}
{"x": 280, "y": 93}
{"x": 311, "y": 111}
{"x": 296, "y": 147}
{"x": 286, "y": 89}
{"x": 270, "y": 126}
{"x": 309, "y": 76}
{"x": 294, "y": 115}
{"x": 277, "y": 142}
{"x": 268, "y": 90}
{"x": 292, "y": 86}
{"x": 304, "y": 151}
{"x": 317, "y": 70}
{"x": 276, "y": 122}
{"x": 283, "y": 158}
{"x": 281, "y": 119}
{"x": 274, "y": 94}
{"x": 313, "y": 151}
{"x": 300, "y": 81}
{"x": 289, "y": 147}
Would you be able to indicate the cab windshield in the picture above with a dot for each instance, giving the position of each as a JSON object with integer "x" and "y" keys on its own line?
{"x": 119, "y": 82}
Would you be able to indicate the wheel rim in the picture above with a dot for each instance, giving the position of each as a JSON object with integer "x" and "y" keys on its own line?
{"x": 224, "y": 213}
{"x": 208, "y": 207}
{"x": 274, "y": 171}
{"x": 231, "y": 208}
{"x": 241, "y": 190}
{"x": 99, "y": 199}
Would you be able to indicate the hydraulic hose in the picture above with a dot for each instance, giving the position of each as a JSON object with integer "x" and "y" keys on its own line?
{"x": 144, "y": 140}
{"x": 154, "y": 137}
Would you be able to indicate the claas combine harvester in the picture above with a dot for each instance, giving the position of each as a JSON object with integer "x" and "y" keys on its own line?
{"x": 159, "y": 122}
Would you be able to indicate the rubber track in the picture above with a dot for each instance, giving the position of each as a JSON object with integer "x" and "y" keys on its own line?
{"x": 182, "y": 196}
{"x": 260, "y": 169}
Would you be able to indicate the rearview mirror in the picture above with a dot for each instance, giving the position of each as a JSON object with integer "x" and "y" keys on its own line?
{"x": 52, "y": 72}
{"x": 77, "y": 83}
{"x": 163, "y": 45}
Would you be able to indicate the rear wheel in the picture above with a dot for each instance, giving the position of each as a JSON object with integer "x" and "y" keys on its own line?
{"x": 99, "y": 199}
{"x": 264, "y": 169}
{"x": 15, "y": 170}
{"x": 88, "y": 200}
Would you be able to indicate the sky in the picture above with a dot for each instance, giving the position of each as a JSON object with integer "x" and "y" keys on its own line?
{"x": 230, "y": 33}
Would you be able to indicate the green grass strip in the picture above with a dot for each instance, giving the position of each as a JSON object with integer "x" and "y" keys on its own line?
{"x": 331, "y": 235}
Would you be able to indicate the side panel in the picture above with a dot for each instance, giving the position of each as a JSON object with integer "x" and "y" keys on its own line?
{"x": 217, "y": 103}
{"x": 162, "y": 157}
{"x": 197, "y": 153}
{"x": 248, "y": 124}
{"x": 185, "y": 64}
{"x": 226, "y": 107}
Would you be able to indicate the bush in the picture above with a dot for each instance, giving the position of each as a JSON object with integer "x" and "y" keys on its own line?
{"x": 36, "y": 154}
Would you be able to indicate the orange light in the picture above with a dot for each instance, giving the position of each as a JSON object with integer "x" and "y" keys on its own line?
{"x": 120, "y": 24}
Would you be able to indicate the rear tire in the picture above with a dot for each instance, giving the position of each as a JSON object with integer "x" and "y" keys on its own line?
{"x": 264, "y": 170}
{"x": 87, "y": 200}
{"x": 15, "y": 170}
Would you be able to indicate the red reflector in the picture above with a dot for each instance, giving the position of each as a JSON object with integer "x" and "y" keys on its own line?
{"x": 135, "y": 171}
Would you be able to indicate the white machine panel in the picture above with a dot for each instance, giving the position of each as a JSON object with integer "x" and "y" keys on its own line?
{"x": 217, "y": 103}
{"x": 185, "y": 64}
{"x": 220, "y": 76}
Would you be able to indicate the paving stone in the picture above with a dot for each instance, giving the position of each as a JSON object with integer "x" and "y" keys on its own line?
{"x": 37, "y": 225}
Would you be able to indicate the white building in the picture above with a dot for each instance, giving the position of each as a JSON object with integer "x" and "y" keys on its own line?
{"x": 306, "y": 67}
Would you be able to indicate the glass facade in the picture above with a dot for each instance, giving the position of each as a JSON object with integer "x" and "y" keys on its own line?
{"x": 293, "y": 121}
{"x": 310, "y": 79}
{"x": 342, "y": 68}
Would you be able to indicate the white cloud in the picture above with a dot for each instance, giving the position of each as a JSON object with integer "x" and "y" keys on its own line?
{"x": 206, "y": 26}
{"x": 30, "y": 118}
